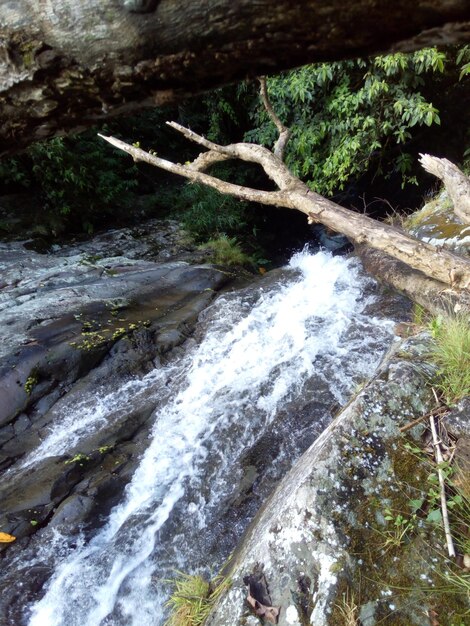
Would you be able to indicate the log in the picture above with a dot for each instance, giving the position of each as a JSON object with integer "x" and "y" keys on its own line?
{"x": 455, "y": 181}
{"x": 440, "y": 265}
{"x": 67, "y": 64}
{"x": 435, "y": 296}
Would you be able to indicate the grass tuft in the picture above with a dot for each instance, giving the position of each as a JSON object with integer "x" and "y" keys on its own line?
{"x": 452, "y": 355}
{"x": 226, "y": 251}
{"x": 193, "y": 598}
{"x": 348, "y": 609}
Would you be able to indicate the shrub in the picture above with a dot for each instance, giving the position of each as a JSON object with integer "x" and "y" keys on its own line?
{"x": 206, "y": 212}
{"x": 352, "y": 117}
{"x": 226, "y": 251}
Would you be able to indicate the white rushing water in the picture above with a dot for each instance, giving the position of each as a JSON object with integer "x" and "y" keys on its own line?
{"x": 253, "y": 359}
{"x": 76, "y": 415}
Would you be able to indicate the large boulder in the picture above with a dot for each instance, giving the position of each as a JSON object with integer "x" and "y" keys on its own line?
{"x": 322, "y": 541}
{"x": 69, "y": 65}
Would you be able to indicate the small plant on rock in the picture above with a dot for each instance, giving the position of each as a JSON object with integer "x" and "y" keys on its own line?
{"x": 399, "y": 528}
{"x": 348, "y": 609}
{"x": 226, "y": 251}
{"x": 452, "y": 354}
{"x": 193, "y": 598}
{"x": 31, "y": 382}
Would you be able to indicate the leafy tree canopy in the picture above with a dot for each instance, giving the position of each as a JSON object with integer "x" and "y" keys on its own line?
{"x": 351, "y": 116}
{"x": 349, "y": 119}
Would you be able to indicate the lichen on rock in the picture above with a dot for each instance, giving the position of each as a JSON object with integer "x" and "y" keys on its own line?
{"x": 326, "y": 522}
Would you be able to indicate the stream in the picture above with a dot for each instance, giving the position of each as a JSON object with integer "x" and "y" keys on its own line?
{"x": 266, "y": 371}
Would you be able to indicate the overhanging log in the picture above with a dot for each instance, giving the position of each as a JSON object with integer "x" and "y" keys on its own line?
{"x": 66, "y": 64}
{"x": 433, "y": 295}
{"x": 441, "y": 265}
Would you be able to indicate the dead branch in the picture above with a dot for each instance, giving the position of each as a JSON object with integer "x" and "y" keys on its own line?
{"x": 284, "y": 132}
{"x": 456, "y": 183}
{"x": 442, "y": 486}
{"x": 206, "y": 159}
{"x": 250, "y": 152}
{"x": 435, "y": 412}
{"x": 442, "y": 265}
{"x": 273, "y": 198}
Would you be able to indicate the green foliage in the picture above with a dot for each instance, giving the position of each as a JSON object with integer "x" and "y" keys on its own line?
{"x": 31, "y": 382}
{"x": 351, "y": 116}
{"x": 79, "y": 179}
{"x": 13, "y": 171}
{"x": 81, "y": 174}
{"x": 463, "y": 58}
{"x": 193, "y": 598}
{"x": 419, "y": 314}
{"x": 452, "y": 354}
{"x": 427, "y": 506}
{"x": 399, "y": 528}
{"x": 206, "y": 213}
{"x": 226, "y": 251}
{"x": 79, "y": 458}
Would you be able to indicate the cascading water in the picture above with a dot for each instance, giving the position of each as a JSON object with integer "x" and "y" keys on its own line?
{"x": 304, "y": 335}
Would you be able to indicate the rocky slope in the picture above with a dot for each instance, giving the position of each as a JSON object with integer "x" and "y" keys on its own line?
{"x": 81, "y": 317}
{"x": 322, "y": 548}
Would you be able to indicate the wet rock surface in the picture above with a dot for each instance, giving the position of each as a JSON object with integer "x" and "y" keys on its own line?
{"x": 91, "y": 331}
{"x": 436, "y": 223}
{"x": 80, "y": 317}
{"x": 323, "y": 530}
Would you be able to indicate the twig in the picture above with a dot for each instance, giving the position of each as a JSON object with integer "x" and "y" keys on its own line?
{"x": 418, "y": 420}
{"x": 439, "y": 461}
{"x": 284, "y": 132}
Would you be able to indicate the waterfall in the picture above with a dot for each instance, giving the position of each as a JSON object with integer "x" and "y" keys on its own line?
{"x": 260, "y": 350}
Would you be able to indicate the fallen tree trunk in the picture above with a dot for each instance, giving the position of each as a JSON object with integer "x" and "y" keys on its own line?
{"x": 455, "y": 182}
{"x": 67, "y": 64}
{"x": 441, "y": 265}
{"x": 434, "y": 296}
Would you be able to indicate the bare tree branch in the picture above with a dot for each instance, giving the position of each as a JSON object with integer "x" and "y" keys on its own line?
{"x": 206, "y": 159}
{"x": 284, "y": 132}
{"x": 272, "y": 198}
{"x": 250, "y": 152}
{"x": 455, "y": 182}
{"x": 450, "y": 269}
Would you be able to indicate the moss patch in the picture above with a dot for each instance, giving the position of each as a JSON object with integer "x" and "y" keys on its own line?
{"x": 396, "y": 577}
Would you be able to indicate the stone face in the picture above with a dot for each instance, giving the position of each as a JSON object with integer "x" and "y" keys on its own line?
{"x": 462, "y": 465}
{"x": 72, "y": 320}
{"x": 303, "y": 538}
{"x": 62, "y": 313}
{"x": 436, "y": 223}
{"x": 457, "y": 421}
{"x": 69, "y": 65}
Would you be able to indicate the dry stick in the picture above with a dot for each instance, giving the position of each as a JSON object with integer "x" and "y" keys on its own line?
{"x": 284, "y": 132}
{"x": 439, "y": 461}
{"x": 434, "y": 412}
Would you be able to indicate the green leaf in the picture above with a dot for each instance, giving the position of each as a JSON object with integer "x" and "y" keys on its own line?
{"x": 416, "y": 504}
{"x": 434, "y": 516}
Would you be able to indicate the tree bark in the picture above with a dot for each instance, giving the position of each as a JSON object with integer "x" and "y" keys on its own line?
{"x": 66, "y": 64}
{"x": 450, "y": 269}
{"x": 433, "y": 295}
{"x": 455, "y": 182}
